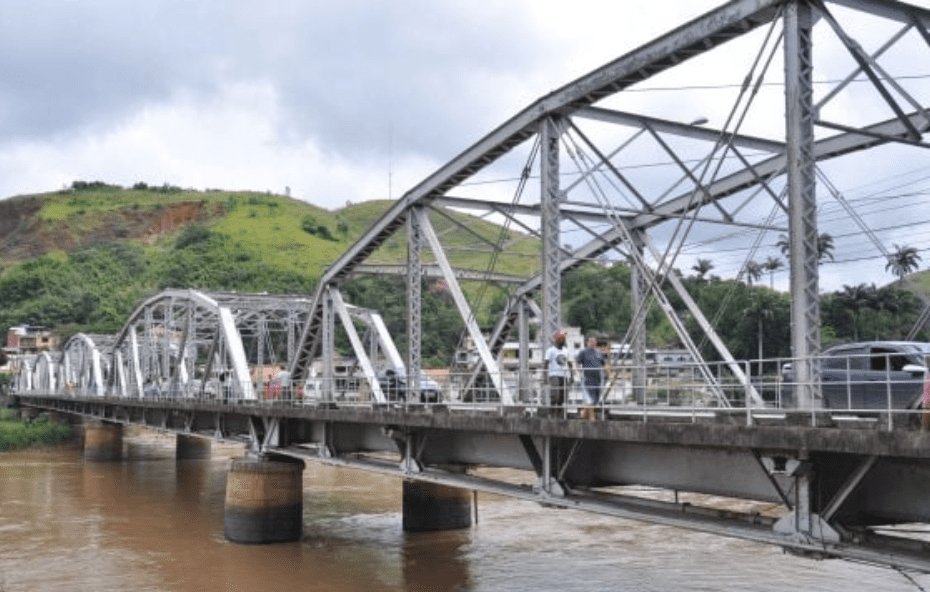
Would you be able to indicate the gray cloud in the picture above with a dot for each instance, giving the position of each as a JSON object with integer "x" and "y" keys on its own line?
{"x": 345, "y": 72}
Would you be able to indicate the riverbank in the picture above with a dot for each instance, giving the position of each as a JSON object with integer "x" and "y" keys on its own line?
{"x": 16, "y": 434}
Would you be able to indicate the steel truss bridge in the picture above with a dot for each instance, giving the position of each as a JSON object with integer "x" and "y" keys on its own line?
{"x": 842, "y": 482}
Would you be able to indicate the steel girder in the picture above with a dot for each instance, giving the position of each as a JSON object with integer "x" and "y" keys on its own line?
{"x": 773, "y": 167}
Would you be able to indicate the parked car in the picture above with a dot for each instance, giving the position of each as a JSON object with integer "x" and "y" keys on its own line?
{"x": 858, "y": 375}
{"x": 393, "y": 383}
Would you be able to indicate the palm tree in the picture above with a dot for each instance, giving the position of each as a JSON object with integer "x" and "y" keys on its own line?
{"x": 824, "y": 246}
{"x": 702, "y": 267}
{"x": 784, "y": 245}
{"x": 753, "y": 271}
{"x": 854, "y": 298}
{"x": 885, "y": 299}
{"x": 771, "y": 265}
{"x": 903, "y": 261}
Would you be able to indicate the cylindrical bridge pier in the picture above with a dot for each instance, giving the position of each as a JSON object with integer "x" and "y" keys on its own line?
{"x": 431, "y": 506}
{"x": 264, "y": 500}
{"x": 103, "y": 441}
{"x": 192, "y": 447}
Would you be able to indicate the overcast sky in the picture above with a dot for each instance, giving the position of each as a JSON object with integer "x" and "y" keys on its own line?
{"x": 338, "y": 101}
{"x": 323, "y": 97}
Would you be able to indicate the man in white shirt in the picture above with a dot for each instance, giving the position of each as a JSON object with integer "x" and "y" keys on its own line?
{"x": 558, "y": 371}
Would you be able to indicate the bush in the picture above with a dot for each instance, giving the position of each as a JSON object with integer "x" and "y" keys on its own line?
{"x": 192, "y": 235}
{"x": 310, "y": 225}
{"x": 16, "y": 434}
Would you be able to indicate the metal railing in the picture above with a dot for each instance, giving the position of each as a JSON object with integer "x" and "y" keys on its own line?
{"x": 868, "y": 388}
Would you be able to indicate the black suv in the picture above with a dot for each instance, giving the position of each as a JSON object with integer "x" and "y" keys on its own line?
{"x": 858, "y": 375}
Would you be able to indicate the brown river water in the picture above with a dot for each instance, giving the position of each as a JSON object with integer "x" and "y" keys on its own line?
{"x": 148, "y": 523}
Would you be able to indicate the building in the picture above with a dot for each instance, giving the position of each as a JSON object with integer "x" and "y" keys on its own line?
{"x": 30, "y": 339}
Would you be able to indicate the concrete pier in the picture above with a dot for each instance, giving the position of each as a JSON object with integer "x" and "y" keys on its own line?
{"x": 430, "y": 507}
{"x": 103, "y": 441}
{"x": 191, "y": 448}
{"x": 264, "y": 500}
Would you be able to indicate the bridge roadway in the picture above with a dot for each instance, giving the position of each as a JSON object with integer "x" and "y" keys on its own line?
{"x": 824, "y": 480}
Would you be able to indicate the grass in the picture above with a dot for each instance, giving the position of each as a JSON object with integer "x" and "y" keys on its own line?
{"x": 16, "y": 434}
{"x": 68, "y": 204}
{"x": 270, "y": 225}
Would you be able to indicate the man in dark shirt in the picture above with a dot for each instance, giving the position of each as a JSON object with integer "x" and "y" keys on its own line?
{"x": 591, "y": 361}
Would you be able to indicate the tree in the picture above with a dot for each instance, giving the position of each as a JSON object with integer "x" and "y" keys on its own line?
{"x": 824, "y": 246}
{"x": 903, "y": 261}
{"x": 762, "y": 308}
{"x": 753, "y": 271}
{"x": 702, "y": 267}
{"x": 784, "y": 245}
{"x": 854, "y": 299}
{"x": 771, "y": 265}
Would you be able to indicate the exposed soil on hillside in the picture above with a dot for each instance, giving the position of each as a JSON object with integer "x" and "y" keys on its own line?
{"x": 23, "y": 234}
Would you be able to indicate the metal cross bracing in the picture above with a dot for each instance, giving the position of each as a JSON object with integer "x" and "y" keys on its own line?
{"x": 589, "y": 141}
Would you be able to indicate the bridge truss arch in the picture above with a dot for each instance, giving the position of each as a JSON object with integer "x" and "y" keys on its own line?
{"x": 195, "y": 343}
{"x": 564, "y": 171}
{"x": 84, "y": 364}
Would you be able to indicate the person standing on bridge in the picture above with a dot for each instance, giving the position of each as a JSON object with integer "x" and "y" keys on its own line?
{"x": 558, "y": 371}
{"x": 591, "y": 361}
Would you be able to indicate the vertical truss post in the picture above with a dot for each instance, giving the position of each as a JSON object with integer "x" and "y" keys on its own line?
{"x": 136, "y": 363}
{"x": 150, "y": 360}
{"x": 523, "y": 354}
{"x": 168, "y": 328}
{"x": 260, "y": 334}
{"x": 640, "y": 301}
{"x": 414, "y": 302}
{"x": 291, "y": 335}
{"x": 119, "y": 374}
{"x": 550, "y": 195}
{"x": 179, "y": 373}
{"x": 329, "y": 343}
{"x": 802, "y": 203}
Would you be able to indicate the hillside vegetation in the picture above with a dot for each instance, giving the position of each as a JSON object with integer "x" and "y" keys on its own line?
{"x": 82, "y": 259}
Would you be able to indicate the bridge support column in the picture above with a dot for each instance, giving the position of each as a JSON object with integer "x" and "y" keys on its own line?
{"x": 191, "y": 448}
{"x": 28, "y": 413}
{"x": 103, "y": 441}
{"x": 264, "y": 500}
{"x": 431, "y": 507}
{"x": 65, "y": 419}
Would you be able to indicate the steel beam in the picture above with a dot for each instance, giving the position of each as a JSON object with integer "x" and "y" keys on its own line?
{"x": 550, "y": 196}
{"x": 414, "y": 300}
{"x": 357, "y": 345}
{"x": 468, "y": 315}
{"x": 802, "y": 200}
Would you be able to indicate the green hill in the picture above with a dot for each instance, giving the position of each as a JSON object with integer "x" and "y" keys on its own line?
{"x": 271, "y": 227}
{"x": 81, "y": 259}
